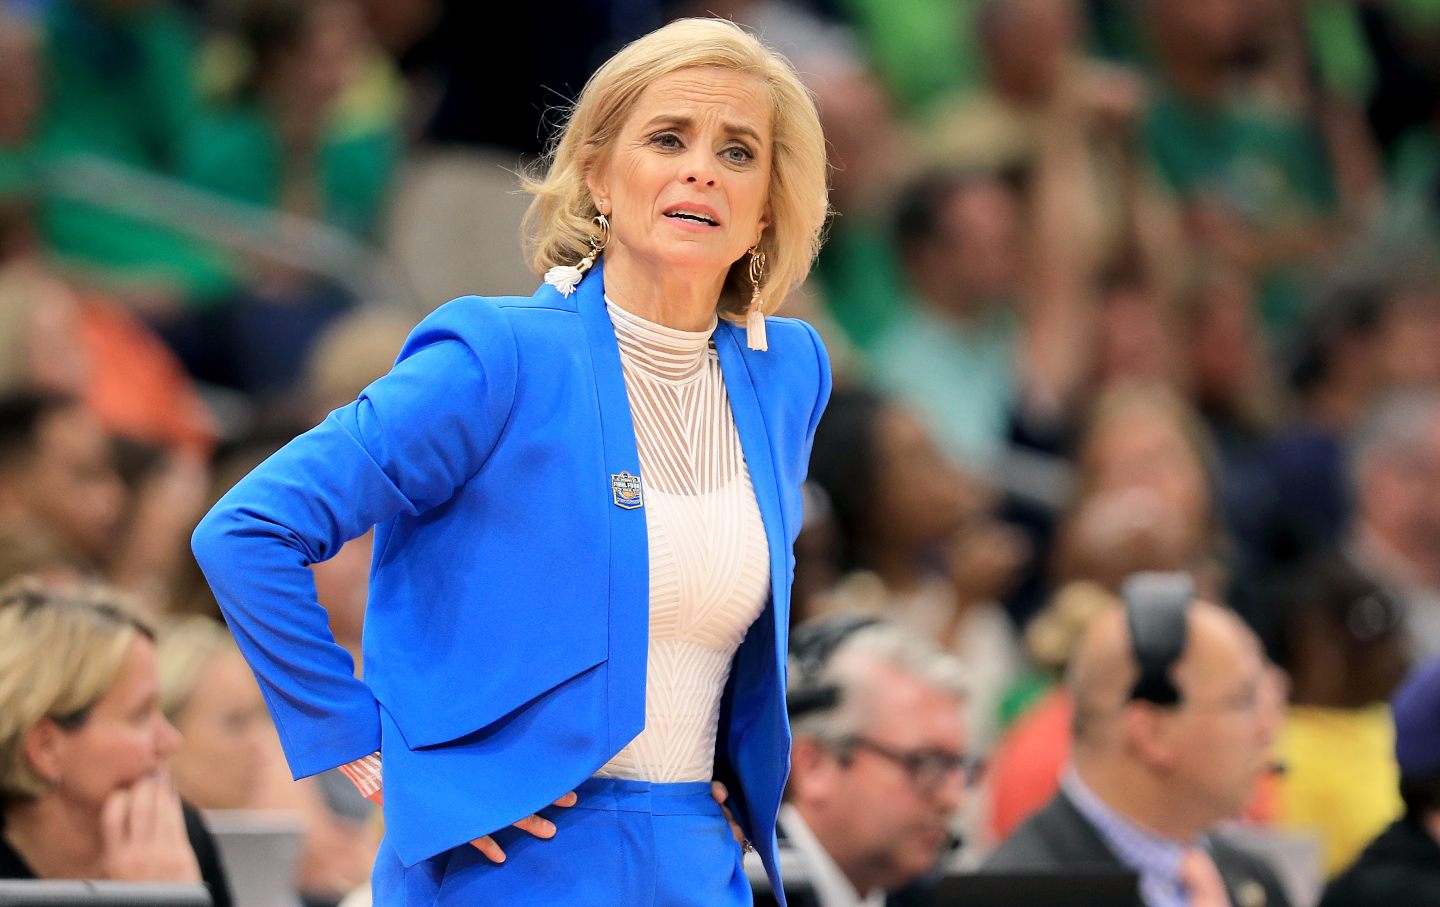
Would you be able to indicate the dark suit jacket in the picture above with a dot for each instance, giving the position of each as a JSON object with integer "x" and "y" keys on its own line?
{"x": 1059, "y": 836}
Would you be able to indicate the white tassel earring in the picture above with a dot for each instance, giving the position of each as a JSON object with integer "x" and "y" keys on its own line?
{"x": 755, "y": 317}
{"x": 565, "y": 277}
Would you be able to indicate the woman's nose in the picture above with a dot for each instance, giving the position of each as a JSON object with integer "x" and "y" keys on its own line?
{"x": 699, "y": 168}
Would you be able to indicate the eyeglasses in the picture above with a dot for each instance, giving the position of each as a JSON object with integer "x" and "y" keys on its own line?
{"x": 927, "y": 768}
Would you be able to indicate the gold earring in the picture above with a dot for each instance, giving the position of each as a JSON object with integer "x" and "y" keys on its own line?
{"x": 755, "y": 317}
{"x": 565, "y": 277}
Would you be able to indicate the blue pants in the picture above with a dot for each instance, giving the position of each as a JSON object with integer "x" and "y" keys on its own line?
{"x": 623, "y": 844}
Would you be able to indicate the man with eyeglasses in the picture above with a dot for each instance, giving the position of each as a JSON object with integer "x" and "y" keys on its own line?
{"x": 878, "y": 765}
{"x": 1154, "y": 771}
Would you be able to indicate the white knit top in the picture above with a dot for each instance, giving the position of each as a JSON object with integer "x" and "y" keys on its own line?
{"x": 709, "y": 558}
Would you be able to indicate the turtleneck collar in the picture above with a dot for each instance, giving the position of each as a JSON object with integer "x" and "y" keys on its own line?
{"x": 666, "y": 353}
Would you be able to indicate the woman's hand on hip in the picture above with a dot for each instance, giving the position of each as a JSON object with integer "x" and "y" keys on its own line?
{"x": 535, "y": 825}
{"x": 142, "y": 834}
{"x": 718, "y": 791}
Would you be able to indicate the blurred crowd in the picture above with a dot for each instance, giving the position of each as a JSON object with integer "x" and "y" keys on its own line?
{"x": 1110, "y": 286}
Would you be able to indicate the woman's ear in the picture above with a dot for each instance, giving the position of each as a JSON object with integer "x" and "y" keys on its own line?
{"x": 596, "y": 178}
{"x": 44, "y": 744}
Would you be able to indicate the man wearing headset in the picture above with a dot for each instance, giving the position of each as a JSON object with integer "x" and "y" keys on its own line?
{"x": 1175, "y": 714}
{"x": 878, "y": 765}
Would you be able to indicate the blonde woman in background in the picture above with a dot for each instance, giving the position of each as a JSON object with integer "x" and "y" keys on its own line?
{"x": 84, "y": 789}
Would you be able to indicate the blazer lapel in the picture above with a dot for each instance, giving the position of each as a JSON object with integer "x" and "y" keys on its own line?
{"x": 755, "y": 443}
{"x": 629, "y": 544}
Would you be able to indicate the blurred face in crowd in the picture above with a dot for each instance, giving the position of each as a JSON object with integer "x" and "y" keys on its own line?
{"x": 324, "y": 57}
{"x": 686, "y": 181}
{"x": 1400, "y": 499}
{"x": 883, "y": 825}
{"x": 919, "y": 495}
{"x": 69, "y": 483}
{"x": 1210, "y": 30}
{"x": 1213, "y": 747}
{"x": 1408, "y": 337}
{"x": 123, "y": 738}
{"x": 20, "y": 95}
{"x": 1227, "y": 354}
{"x": 54, "y": 356}
{"x": 1027, "y": 42}
{"x": 226, "y": 736}
{"x": 975, "y": 253}
{"x": 1143, "y": 447}
{"x": 342, "y": 585}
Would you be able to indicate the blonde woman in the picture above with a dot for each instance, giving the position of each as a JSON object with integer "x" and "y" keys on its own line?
{"x": 585, "y": 502}
{"x": 84, "y": 792}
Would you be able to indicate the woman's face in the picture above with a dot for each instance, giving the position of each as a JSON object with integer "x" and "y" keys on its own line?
{"x": 1144, "y": 449}
{"x": 920, "y": 496}
{"x": 226, "y": 735}
{"x": 124, "y": 738}
{"x": 686, "y": 181}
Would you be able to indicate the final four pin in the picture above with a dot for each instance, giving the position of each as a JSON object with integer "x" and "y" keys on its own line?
{"x": 627, "y": 490}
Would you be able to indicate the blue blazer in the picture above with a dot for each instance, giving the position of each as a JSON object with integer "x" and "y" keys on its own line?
{"x": 507, "y": 627}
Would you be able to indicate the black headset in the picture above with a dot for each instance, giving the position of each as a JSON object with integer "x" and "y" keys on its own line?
{"x": 811, "y": 647}
{"x": 1157, "y": 608}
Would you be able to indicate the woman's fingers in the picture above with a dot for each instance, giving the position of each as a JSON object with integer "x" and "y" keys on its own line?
{"x": 489, "y": 848}
{"x": 540, "y": 828}
{"x": 535, "y": 825}
{"x": 144, "y": 807}
{"x": 113, "y": 816}
{"x": 171, "y": 817}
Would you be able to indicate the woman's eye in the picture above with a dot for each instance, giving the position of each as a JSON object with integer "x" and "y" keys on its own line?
{"x": 738, "y": 154}
{"x": 666, "y": 140}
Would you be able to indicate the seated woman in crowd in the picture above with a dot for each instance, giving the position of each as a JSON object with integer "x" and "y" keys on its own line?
{"x": 84, "y": 791}
{"x": 231, "y": 758}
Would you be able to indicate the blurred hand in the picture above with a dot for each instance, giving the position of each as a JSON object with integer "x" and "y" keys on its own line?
{"x": 142, "y": 834}
{"x": 535, "y": 825}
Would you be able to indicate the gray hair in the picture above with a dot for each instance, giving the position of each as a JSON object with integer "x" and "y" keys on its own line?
{"x": 851, "y": 670}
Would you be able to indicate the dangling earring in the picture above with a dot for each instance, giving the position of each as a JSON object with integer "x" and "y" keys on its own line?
{"x": 755, "y": 317}
{"x": 565, "y": 277}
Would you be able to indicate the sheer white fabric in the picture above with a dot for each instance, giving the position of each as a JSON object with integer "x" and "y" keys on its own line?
{"x": 709, "y": 561}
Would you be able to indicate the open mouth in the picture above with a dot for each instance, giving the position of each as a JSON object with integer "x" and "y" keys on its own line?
{"x": 693, "y": 216}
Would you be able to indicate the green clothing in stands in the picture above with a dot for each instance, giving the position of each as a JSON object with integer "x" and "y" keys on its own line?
{"x": 859, "y": 276}
{"x": 959, "y": 376}
{"x": 120, "y": 88}
{"x": 921, "y": 49}
{"x": 237, "y": 152}
{"x": 1272, "y": 168}
{"x": 17, "y": 171}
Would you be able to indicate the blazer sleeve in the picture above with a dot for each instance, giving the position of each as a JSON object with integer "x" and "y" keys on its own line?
{"x": 407, "y": 444}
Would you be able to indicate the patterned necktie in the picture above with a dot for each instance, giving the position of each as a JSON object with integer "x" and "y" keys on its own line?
{"x": 1202, "y": 880}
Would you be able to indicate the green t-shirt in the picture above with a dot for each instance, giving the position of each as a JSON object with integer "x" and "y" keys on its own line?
{"x": 959, "y": 376}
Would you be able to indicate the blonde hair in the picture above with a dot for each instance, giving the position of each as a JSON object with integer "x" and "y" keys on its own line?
{"x": 559, "y": 223}
{"x": 187, "y": 646}
{"x": 61, "y": 648}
